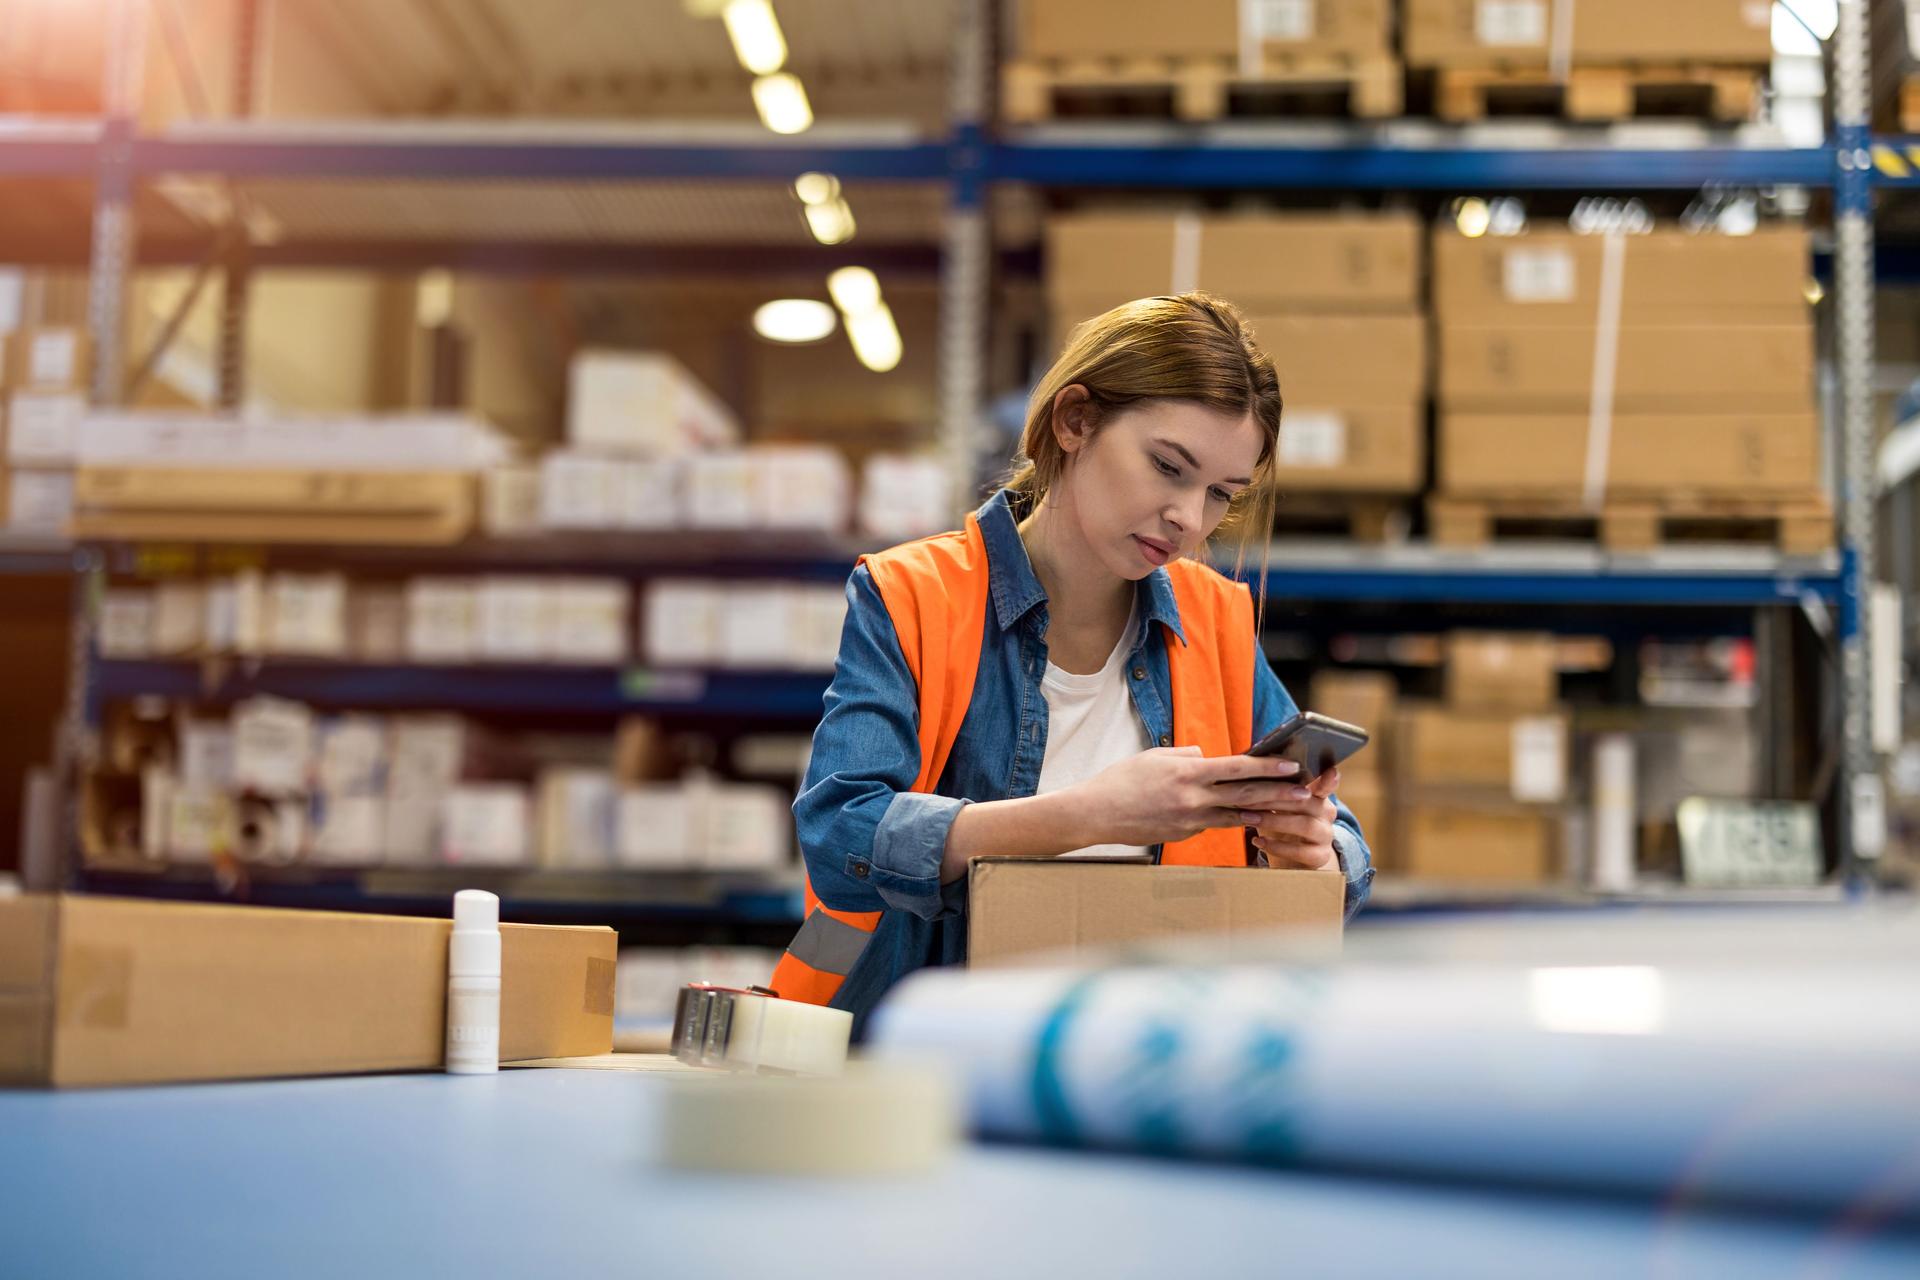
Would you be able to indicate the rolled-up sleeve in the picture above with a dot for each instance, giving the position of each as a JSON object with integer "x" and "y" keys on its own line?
{"x": 1272, "y": 705}
{"x": 870, "y": 843}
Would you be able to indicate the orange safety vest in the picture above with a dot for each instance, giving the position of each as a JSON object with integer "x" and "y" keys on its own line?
{"x": 935, "y": 591}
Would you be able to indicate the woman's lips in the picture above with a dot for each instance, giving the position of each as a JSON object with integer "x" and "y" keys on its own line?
{"x": 1156, "y": 552}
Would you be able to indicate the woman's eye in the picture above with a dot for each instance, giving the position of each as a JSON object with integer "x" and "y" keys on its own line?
{"x": 1220, "y": 495}
{"x": 1164, "y": 467}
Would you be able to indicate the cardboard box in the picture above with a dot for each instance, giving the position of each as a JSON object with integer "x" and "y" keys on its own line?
{"x": 510, "y": 501}
{"x": 680, "y": 622}
{"x": 721, "y": 490}
{"x": 1365, "y": 792}
{"x": 273, "y": 742}
{"x": 430, "y": 756}
{"x": 660, "y": 826}
{"x": 1022, "y": 907}
{"x": 1128, "y": 28}
{"x": 1485, "y": 845}
{"x": 487, "y": 824}
{"x": 748, "y": 828}
{"x": 650, "y": 494}
{"x": 443, "y": 619}
{"x": 1351, "y": 450}
{"x": 1658, "y": 368}
{"x": 904, "y": 496}
{"x": 515, "y": 616}
{"x": 49, "y": 359}
{"x": 42, "y": 427}
{"x": 581, "y": 491}
{"x": 643, "y": 402}
{"x": 1320, "y": 28}
{"x": 37, "y": 500}
{"x": 1523, "y": 757}
{"x": 756, "y": 623}
{"x": 105, "y": 991}
{"x": 1365, "y": 698}
{"x": 230, "y": 505}
{"x": 1667, "y": 276}
{"x": 179, "y": 618}
{"x": 1332, "y": 359}
{"x": 1520, "y": 33}
{"x": 376, "y": 623}
{"x": 307, "y": 614}
{"x": 592, "y": 621}
{"x": 1737, "y": 454}
{"x": 802, "y": 487}
{"x": 1263, "y": 263}
{"x": 125, "y": 623}
{"x": 576, "y": 817}
{"x": 1502, "y": 670}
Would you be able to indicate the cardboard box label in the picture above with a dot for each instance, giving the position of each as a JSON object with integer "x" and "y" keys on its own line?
{"x": 1540, "y": 759}
{"x": 1281, "y": 19}
{"x": 1313, "y": 440}
{"x": 1511, "y": 22}
{"x": 52, "y": 358}
{"x": 1538, "y": 275}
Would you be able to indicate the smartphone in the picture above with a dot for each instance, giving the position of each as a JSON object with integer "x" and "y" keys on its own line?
{"x": 1314, "y": 742}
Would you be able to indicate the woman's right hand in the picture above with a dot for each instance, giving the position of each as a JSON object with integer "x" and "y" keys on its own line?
{"x": 1171, "y": 793}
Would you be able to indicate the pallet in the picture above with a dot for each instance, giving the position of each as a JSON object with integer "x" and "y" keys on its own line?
{"x": 1699, "y": 90}
{"x": 1793, "y": 526}
{"x": 1033, "y": 90}
{"x": 1360, "y": 517}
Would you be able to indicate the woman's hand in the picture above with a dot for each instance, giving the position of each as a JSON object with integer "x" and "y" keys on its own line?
{"x": 1297, "y": 833}
{"x": 1170, "y": 793}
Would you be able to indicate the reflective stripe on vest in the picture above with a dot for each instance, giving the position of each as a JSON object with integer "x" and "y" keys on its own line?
{"x": 935, "y": 591}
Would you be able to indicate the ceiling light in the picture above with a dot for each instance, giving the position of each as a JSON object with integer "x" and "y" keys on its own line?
{"x": 816, "y": 188}
{"x": 854, "y": 290}
{"x": 875, "y": 338}
{"x": 831, "y": 223}
{"x": 793, "y": 320}
{"x": 782, "y": 103}
{"x": 1472, "y": 217}
{"x": 756, "y": 37}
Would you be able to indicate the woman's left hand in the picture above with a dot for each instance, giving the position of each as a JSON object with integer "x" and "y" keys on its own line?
{"x": 1298, "y": 835}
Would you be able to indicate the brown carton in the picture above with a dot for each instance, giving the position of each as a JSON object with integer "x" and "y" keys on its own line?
{"x": 1336, "y": 360}
{"x": 1667, "y": 276}
{"x": 101, "y": 991}
{"x": 1737, "y": 454}
{"x": 1365, "y": 793}
{"x": 48, "y": 359}
{"x": 1521, "y": 33}
{"x": 1351, "y": 450}
{"x": 1485, "y": 845}
{"x": 1447, "y": 747}
{"x": 1502, "y": 670}
{"x": 1658, "y": 368}
{"x": 1020, "y": 907}
{"x": 1128, "y": 28}
{"x": 1364, "y": 698}
{"x": 1262, "y": 263}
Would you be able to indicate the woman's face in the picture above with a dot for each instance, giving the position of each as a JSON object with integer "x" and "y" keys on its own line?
{"x": 1154, "y": 482}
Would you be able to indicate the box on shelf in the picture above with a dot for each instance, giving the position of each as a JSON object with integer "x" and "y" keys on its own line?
{"x": 1668, "y": 276}
{"x": 1757, "y": 368}
{"x": 757, "y": 622}
{"x": 680, "y": 622}
{"x": 42, "y": 427}
{"x": 307, "y": 614}
{"x": 50, "y": 358}
{"x": 280, "y": 505}
{"x": 1435, "y": 842}
{"x": 1521, "y": 755}
{"x": 1722, "y": 454}
{"x": 108, "y": 991}
{"x": 514, "y": 618}
{"x": 349, "y": 814}
{"x": 1365, "y": 792}
{"x": 486, "y": 824}
{"x": 1263, "y": 263}
{"x": 205, "y": 754}
{"x": 1024, "y": 909}
{"x": 820, "y": 614}
{"x": 179, "y": 618}
{"x": 236, "y": 619}
{"x": 443, "y": 619}
{"x": 337, "y": 449}
{"x": 648, "y": 494}
{"x": 1128, "y": 28}
{"x": 1522, "y": 33}
{"x": 1355, "y": 450}
{"x": 273, "y": 741}
{"x": 747, "y": 827}
{"x": 430, "y": 754}
{"x": 581, "y": 491}
{"x": 510, "y": 501}
{"x": 1505, "y": 670}
{"x": 577, "y": 813}
{"x": 798, "y": 487}
{"x": 376, "y": 622}
{"x": 1364, "y": 698}
{"x": 660, "y": 826}
{"x": 643, "y": 402}
{"x": 125, "y": 623}
{"x": 36, "y": 500}
{"x": 591, "y": 621}
{"x": 1333, "y": 359}
{"x": 904, "y": 496}
{"x": 721, "y": 490}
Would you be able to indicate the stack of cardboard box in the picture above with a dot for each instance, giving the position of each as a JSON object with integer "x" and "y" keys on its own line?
{"x": 1367, "y": 699}
{"x": 1334, "y": 298}
{"x": 44, "y": 376}
{"x": 1478, "y": 780}
{"x": 1660, "y": 366}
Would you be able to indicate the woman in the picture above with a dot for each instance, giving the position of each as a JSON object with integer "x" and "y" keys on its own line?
{"x": 1061, "y": 676}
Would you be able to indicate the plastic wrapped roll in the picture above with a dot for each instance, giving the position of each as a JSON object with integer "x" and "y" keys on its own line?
{"x": 1749, "y": 1076}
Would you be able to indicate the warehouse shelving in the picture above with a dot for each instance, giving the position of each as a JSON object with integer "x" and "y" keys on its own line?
{"x": 962, "y": 167}
{"x": 25, "y": 554}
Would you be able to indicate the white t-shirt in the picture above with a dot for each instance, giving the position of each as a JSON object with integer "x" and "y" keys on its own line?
{"x": 1091, "y": 724}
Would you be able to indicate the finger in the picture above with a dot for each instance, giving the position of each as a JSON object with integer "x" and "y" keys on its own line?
{"x": 1241, "y": 768}
{"x": 1325, "y": 784}
{"x": 1271, "y": 825}
{"x": 1184, "y": 751}
{"x": 1296, "y": 857}
{"x": 1264, "y": 795}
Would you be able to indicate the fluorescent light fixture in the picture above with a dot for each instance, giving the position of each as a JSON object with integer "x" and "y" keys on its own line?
{"x": 794, "y": 320}
{"x": 875, "y": 338}
{"x": 1472, "y": 217}
{"x": 1616, "y": 1000}
{"x": 854, "y": 290}
{"x": 816, "y": 188}
{"x": 756, "y": 37}
{"x": 831, "y": 223}
{"x": 782, "y": 103}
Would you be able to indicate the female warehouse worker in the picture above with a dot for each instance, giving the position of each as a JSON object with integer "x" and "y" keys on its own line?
{"x": 1062, "y": 675}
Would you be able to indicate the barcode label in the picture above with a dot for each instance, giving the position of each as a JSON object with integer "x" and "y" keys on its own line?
{"x": 1540, "y": 759}
{"x": 1538, "y": 275}
{"x": 51, "y": 359}
{"x": 1313, "y": 440}
{"x": 1511, "y": 22}
{"x": 1281, "y": 19}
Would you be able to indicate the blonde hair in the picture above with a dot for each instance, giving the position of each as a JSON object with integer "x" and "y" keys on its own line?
{"x": 1190, "y": 346}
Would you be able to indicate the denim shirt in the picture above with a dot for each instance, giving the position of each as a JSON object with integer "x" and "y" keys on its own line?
{"x": 871, "y": 844}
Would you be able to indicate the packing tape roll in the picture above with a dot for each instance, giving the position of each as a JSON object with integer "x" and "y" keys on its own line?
{"x": 1606, "y": 360}
{"x": 876, "y": 1119}
{"x": 741, "y": 1029}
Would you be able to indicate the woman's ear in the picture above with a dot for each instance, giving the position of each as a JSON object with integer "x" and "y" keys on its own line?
{"x": 1072, "y": 417}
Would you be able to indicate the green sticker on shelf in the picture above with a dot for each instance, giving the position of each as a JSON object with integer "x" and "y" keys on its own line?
{"x": 638, "y": 684}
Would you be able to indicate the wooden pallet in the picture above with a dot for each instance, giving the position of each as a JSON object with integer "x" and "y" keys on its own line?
{"x": 1361, "y": 517}
{"x": 1794, "y": 526}
{"x": 1033, "y": 90}
{"x": 1700, "y": 90}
